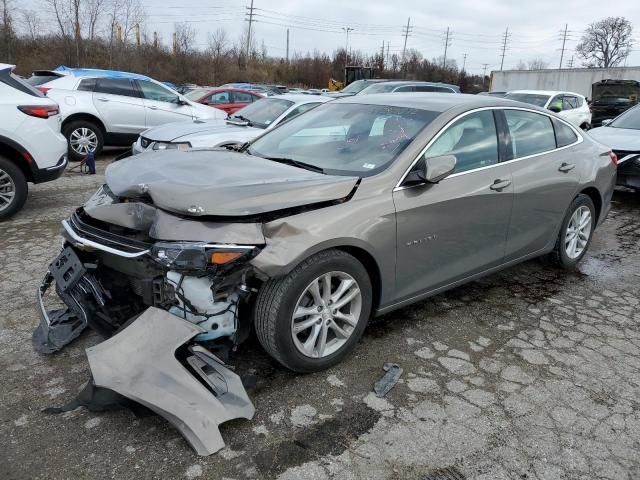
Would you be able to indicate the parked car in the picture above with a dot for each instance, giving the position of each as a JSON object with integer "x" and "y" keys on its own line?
{"x": 113, "y": 110}
{"x": 493, "y": 94}
{"x": 354, "y": 88}
{"x": 40, "y": 77}
{"x": 609, "y": 98}
{"x": 409, "y": 86}
{"x": 32, "y": 149}
{"x": 243, "y": 126}
{"x": 570, "y": 106}
{"x": 362, "y": 205}
{"x": 622, "y": 134}
{"x": 229, "y": 100}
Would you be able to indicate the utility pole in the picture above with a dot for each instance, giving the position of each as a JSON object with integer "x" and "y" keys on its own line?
{"x": 250, "y": 14}
{"x": 446, "y": 46}
{"x": 287, "y": 45}
{"x": 484, "y": 73}
{"x": 138, "y": 34}
{"x": 155, "y": 39}
{"x": 564, "y": 41}
{"x": 570, "y": 62}
{"x": 382, "y": 56}
{"x": 346, "y": 45}
{"x": 405, "y": 30}
{"x": 175, "y": 43}
{"x": 464, "y": 61}
{"x": 387, "y": 62}
{"x": 505, "y": 39}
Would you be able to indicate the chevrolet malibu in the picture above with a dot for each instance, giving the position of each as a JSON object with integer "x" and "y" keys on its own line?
{"x": 359, "y": 207}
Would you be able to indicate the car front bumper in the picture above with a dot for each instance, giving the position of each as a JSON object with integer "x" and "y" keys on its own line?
{"x": 629, "y": 171}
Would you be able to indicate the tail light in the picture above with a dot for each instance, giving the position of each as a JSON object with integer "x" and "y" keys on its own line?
{"x": 614, "y": 158}
{"x": 40, "y": 111}
{"x": 43, "y": 89}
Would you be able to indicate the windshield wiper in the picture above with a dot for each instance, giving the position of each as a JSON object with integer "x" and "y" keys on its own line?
{"x": 296, "y": 163}
{"x": 240, "y": 117}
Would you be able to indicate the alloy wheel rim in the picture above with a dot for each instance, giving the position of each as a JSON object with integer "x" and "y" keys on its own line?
{"x": 7, "y": 190}
{"x": 83, "y": 140}
{"x": 326, "y": 314}
{"x": 578, "y": 232}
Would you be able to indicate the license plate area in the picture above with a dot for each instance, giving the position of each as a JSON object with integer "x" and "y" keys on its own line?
{"x": 67, "y": 269}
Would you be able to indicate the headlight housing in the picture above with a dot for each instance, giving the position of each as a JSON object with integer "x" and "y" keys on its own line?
{"x": 196, "y": 256}
{"x": 171, "y": 146}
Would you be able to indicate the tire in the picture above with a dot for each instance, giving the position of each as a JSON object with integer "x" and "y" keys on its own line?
{"x": 561, "y": 253}
{"x": 83, "y": 129}
{"x": 278, "y": 298}
{"x": 13, "y": 188}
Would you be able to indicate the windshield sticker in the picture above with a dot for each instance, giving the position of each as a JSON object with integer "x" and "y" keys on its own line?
{"x": 369, "y": 166}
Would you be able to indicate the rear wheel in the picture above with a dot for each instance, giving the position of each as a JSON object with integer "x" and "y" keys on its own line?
{"x": 83, "y": 137}
{"x": 13, "y": 188}
{"x": 313, "y": 317}
{"x": 575, "y": 233}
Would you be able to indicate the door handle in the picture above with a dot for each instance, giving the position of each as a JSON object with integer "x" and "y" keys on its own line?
{"x": 566, "y": 167}
{"x": 102, "y": 99}
{"x": 500, "y": 185}
{"x": 152, "y": 107}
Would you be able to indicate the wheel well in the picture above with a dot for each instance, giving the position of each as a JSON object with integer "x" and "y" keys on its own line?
{"x": 84, "y": 116}
{"x": 371, "y": 265}
{"x": 16, "y": 158}
{"x": 594, "y": 195}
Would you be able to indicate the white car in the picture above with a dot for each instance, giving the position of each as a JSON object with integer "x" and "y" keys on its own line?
{"x": 243, "y": 126}
{"x": 571, "y": 106}
{"x": 32, "y": 149}
{"x": 104, "y": 110}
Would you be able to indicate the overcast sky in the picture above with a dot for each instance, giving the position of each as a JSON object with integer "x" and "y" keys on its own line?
{"x": 476, "y": 26}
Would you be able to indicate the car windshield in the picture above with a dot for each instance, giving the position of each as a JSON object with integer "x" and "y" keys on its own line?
{"x": 531, "y": 98}
{"x": 197, "y": 94}
{"x": 629, "y": 119}
{"x": 345, "y": 138}
{"x": 381, "y": 87}
{"x": 356, "y": 87}
{"x": 264, "y": 112}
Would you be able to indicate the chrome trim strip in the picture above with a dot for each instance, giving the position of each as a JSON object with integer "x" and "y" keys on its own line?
{"x": 99, "y": 246}
{"x": 229, "y": 246}
{"x": 399, "y": 186}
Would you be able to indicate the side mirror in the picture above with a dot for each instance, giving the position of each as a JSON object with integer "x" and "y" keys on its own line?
{"x": 182, "y": 101}
{"x": 606, "y": 122}
{"x": 432, "y": 169}
{"x": 555, "y": 109}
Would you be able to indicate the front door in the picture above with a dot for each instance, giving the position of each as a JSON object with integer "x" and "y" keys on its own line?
{"x": 162, "y": 105}
{"x": 458, "y": 227}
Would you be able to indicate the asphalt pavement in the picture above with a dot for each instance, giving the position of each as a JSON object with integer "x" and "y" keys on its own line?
{"x": 531, "y": 373}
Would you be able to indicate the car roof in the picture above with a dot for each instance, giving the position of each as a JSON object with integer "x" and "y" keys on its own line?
{"x": 302, "y": 98}
{"x": 432, "y": 101}
{"x": 6, "y": 66}
{"x": 544, "y": 92}
{"x": 95, "y": 72}
{"x": 418, "y": 82}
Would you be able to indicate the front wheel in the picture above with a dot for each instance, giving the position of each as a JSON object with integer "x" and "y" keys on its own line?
{"x": 313, "y": 317}
{"x": 13, "y": 188}
{"x": 575, "y": 233}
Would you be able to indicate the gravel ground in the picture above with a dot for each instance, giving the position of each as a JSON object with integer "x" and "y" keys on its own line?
{"x": 531, "y": 373}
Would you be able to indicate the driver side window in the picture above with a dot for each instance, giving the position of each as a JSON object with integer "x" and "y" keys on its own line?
{"x": 152, "y": 91}
{"x": 472, "y": 139}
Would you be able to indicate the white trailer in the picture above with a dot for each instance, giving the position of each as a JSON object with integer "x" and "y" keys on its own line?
{"x": 578, "y": 80}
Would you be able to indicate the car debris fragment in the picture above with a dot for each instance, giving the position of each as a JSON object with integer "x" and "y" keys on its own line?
{"x": 388, "y": 380}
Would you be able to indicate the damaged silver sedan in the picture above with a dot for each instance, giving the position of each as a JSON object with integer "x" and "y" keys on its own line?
{"x": 359, "y": 206}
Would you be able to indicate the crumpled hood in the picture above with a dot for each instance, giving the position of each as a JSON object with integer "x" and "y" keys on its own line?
{"x": 617, "y": 138}
{"x": 171, "y": 131}
{"x": 221, "y": 183}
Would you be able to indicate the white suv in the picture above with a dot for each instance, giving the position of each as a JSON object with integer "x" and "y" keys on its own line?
{"x": 571, "y": 106}
{"x": 100, "y": 109}
{"x": 31, "y": 146}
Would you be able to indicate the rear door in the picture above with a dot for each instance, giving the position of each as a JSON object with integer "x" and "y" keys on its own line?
{"x": 118, "y": 102}
{"x": 456, "y": 228}
{"x": 161, "y": 105}
{"x": 545, "y": 180}
{"x": 241, "y": 99}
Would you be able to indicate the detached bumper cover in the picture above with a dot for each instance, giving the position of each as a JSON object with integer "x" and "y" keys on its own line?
{"x": 629, "y": 170}
{"x": 140, "y": 363}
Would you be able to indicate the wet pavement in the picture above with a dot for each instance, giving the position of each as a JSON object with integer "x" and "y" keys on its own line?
{"x": 532, "y": 373}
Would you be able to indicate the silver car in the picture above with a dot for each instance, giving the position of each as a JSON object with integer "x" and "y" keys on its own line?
{"x": 358, "y": 207}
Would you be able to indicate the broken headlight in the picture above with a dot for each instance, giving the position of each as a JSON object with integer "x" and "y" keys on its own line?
{"x": 196, "y": 256}
{"x": 171, "y": 146}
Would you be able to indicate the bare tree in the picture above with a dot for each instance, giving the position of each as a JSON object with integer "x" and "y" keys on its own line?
{"x": 606, "y": 43}
{"x": 218, "y": 50}
{"x": 538, "y": 64}
{"x": 62, "y": 12}
{"x": 521, "y": 65}
{"x": 185, "y": 36}
{"x": 92, "y": 13}
{"x": 7, "y": 28}
{"x": 31, "y": 23}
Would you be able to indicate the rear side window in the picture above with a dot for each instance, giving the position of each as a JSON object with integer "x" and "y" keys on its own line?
{"x": 87, "y": 85}
{"x": 243, "y": 97}
{"x": 116, "y": 86}
{"x": 569, "y": 103}
{"x": 432, "y": 88}
{"x": 35, "y": 80}
{"x": 472, "y": 139}
{"x": 19, "y": 84}
{"x": 531, "y": 133}
{"x": 219, "y": 98}
{"x": 564, "y": 134}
